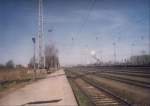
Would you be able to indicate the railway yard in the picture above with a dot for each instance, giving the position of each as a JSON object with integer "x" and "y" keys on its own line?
{"x": 110, "y": 86}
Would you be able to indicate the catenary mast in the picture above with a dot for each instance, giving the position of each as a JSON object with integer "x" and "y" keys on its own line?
{"x": 41, "y": 55}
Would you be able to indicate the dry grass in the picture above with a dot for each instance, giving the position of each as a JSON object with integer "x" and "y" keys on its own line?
{"x": 81, "y": 98}
{"x": 17, "y": 78}
{"x": 19, "y": 74}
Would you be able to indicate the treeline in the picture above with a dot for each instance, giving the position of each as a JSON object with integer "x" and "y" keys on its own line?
{"x": 10, "y": 65}
{"x": 140, "y": 60}
{"x": 51, "y": 58}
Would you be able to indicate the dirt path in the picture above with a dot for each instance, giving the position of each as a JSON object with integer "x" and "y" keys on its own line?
{"x": 54, "y": 88}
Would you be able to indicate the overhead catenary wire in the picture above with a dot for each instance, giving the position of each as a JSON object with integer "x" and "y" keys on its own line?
{"x": 85, "y": 19}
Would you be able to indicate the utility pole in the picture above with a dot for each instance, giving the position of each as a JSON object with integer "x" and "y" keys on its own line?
{"x": 132, "y": 49}
{"x": 114, "y": 44}
{"x": 34, "y": 41}
{"x": 149, "y": 43}
{"x": 41, "y": 55}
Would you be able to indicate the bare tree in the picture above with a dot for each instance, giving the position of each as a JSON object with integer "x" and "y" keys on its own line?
{"x": 10, "y": 64}
{"x": 2, "y": 66}
{"x": 140, "y": 60}
{"x": 51, "y": 57}
{"x": 31, "y": 63}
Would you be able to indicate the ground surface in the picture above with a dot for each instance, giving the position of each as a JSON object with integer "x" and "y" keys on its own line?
{"x": 124, "y": 82}
{"x": 55, "y": 89}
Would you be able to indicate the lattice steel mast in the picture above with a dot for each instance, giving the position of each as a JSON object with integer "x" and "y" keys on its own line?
{"x": 41, "y": 56}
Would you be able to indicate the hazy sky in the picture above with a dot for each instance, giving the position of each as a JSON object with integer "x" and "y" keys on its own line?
{"x": 79, "y": 26}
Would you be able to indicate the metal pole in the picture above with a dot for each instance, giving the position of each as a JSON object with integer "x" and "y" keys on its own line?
{"x": 114, "y": 44}
{"x": 33, "y": 39}
{"x": 41, "y": 63}
{"x": 132, "y": 48}
{"x": 34, "y": 64}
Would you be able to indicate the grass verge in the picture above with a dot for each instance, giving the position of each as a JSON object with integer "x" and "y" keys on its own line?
{"x": 80, "y": 97}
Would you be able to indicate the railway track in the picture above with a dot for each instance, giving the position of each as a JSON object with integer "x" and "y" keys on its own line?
{"x": 138, "y": 83}
{"x": 98, "y": 95}
{"x": 127, "y": 81}
{"x": 144, "y": 75}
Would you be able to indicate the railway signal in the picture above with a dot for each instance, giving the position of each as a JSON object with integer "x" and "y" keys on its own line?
{"x": 34, "y": 42}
